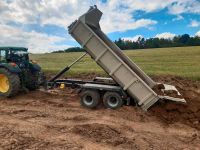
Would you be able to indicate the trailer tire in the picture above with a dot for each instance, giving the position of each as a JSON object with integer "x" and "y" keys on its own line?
{"x": 112, "y": 100}
{"x": 90, "y": 98}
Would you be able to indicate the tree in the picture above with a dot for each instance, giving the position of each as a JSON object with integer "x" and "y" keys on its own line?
{"x": 141, "y": 43}
{"x": 184, "y": 39}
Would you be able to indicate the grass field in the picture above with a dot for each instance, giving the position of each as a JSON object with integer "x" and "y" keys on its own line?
{"x": 183, "y": 61}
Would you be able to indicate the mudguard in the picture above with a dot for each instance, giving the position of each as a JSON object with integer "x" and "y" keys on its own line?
{"x": 35, "y": 67}
{"x": 12, "y": 68}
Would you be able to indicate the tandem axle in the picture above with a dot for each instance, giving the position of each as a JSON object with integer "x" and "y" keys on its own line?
{"x": 91, "y": 92}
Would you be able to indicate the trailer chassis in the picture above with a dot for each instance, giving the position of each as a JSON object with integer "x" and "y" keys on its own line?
{"x": 92, "y": 92}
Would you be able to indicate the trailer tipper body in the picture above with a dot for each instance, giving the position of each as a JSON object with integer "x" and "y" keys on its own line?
{"x": 138, "y": 85}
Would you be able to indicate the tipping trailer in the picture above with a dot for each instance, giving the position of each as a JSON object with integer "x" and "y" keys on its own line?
{"x": 127, "y": 77}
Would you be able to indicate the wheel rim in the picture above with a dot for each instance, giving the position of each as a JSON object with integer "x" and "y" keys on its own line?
{"x": 112, "y": 101}
{"x": 4, "y": 83}
{"x": 88, "y": 100}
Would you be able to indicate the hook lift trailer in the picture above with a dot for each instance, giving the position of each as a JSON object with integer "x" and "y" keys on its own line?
{"x": 91, "y": 91}
{"x": 128, "y": 83}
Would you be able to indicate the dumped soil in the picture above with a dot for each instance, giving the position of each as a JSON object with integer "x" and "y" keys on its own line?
{"x": 55, "y": 120}
{"x": 188, "y": 113}
{"x": 160, "y": 90}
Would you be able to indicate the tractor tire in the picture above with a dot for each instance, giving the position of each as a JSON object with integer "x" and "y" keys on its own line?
{"x": 9, "y": 83}
{"x": 33, "y": 83}
{"x": 90, "y": 98}
{"x": 38, "y": 79}
{"x": 32, "y": 86}
{"x": 112, "y": 100}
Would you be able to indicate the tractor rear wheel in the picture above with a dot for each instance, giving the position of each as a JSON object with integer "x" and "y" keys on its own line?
{"x": 9, "y": 83}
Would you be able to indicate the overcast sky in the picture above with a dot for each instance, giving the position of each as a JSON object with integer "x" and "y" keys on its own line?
{"x": 41, "y": 25}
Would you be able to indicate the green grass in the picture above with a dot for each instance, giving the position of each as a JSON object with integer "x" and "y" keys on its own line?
{"x": 183, "y": 61}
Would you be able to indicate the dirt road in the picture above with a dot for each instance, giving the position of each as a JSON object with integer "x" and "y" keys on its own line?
{"x": 39, "y": 120}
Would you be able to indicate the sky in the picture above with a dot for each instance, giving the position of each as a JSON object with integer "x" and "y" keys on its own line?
{"x": 41, "y": 25}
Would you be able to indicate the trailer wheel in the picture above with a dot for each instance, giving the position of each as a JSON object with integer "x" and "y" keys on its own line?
{"x": 112, "y": 100}
{"x": 90, "y": 98}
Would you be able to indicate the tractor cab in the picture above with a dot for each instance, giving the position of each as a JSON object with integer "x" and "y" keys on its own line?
{"x": 18, "y": 56}
{"x": 17, "y": 71}
{"x": 14, "y": 54}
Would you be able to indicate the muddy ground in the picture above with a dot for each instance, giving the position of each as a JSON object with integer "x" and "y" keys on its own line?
{"x": 56, "y": 120}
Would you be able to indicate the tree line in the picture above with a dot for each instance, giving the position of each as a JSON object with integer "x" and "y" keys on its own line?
{"x": 142, "y": 43}
{"x": 71, "y": 49}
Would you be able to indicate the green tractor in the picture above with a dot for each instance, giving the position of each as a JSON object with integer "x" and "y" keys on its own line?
{"x": 17, "y": 72}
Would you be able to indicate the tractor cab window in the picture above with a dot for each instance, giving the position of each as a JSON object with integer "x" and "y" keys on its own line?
{"x": 2, "y": 55}
{"x": 21, "y": 54}
{"x": 18, "y": 56}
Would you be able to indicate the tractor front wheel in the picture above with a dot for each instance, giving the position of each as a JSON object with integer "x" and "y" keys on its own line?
{"x": 36, "y": 80}
{"x": 9, "y": 83}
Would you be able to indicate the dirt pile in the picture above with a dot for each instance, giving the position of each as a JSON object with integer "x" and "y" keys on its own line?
{"x": 160, "y": 90}
{"x": 172, "y": 112}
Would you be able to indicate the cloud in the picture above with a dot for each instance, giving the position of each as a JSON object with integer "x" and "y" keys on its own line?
{"x": 63, "y": 12}
{"x": 135, "y": 38}
{"x": 194, "y": 23}
{"x": 119, "y": 16}
{"x": 36, "y": 42}
{"x": 126, "y": 25}
{"x": 178, "y": 18}
{"x": 198, "y": 34}
{"x": 184, "y": 6}
{"x": 145, "y": 5}
{"x": 60, "y": 13}
{"x": 165, "y": 35}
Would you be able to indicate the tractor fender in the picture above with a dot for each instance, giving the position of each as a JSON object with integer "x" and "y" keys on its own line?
{"x": 35, "y": 67}
{"x": 11, "y": 68}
